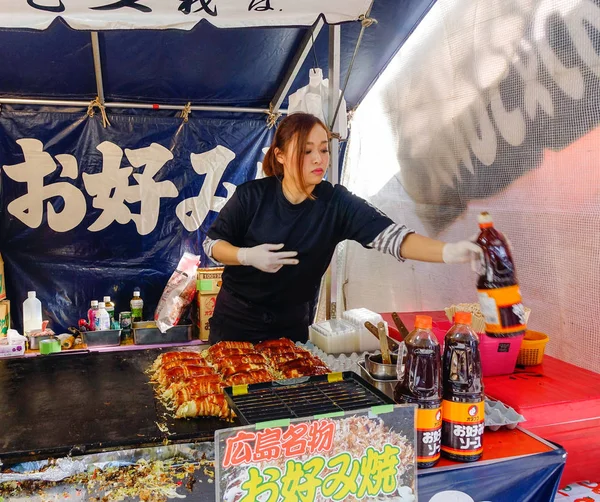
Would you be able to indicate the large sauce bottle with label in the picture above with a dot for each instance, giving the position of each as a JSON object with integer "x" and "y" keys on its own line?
{"x": 420, "y": 382}
{"x": 497, "y": 287}
{"x": 462, "y": 405}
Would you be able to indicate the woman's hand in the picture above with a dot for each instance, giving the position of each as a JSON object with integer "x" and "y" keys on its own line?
{"x": 266, "y": 258}
{"x": 461, "y": 252}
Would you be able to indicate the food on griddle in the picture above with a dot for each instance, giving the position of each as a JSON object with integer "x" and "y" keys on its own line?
{"x": 191, "y": 392}
{"x": 249, "y": 377}
{"x": 192, "y": 383}
{"x": 279, "y": 343}
{"x": 183, "y": 362}
{"x": 217, "y": 347}
{"x": 238, "y": 359}
{"x": 211, "y": 405}
{"x": 174, "y": 356}
{"x": 243, "y": 368}
{"x": 186, "y": 371}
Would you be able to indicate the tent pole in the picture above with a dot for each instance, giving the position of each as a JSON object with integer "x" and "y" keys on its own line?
{"x": 334, "y": 92}
{"x": 97, "y": 66}
{"x": 297, "y": 62}
{"x": 146, "y": 106}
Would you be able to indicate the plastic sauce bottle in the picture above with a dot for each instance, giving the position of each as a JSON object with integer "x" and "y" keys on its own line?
{"x": 420, "y": 382}
{"x": 497, "y": 287}
{"x": 110, "y": 308}
{"x": 32, "y": 313}
{"x": 102, "y": 318}
{"x": 463, "y": 405}
{"x": 92, "y": 314}
{"x": 137, "y": 306}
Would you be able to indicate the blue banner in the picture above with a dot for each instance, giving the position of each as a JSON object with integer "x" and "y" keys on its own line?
{"x": 88, "y": 211}
{"x": 529, "y": 478}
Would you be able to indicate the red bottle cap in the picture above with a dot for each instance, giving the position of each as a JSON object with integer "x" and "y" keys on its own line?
{"x": 485, "y": 220}
{"x": 423, "y": 322}
{"x": 463, "y": 318}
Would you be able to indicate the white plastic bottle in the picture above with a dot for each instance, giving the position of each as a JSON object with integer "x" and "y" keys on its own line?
{"x": 32, "y": 313}
{"x": 102, "y": 318}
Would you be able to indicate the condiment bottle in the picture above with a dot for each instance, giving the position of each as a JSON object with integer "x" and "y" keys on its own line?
{"x": 463, "y": 400}
{"x": 32, "y": 313}
{"x": 102, "y": 318}
{"x": 137, "y": 306}
{"x": 110, "y": 308}
{"x": 420, "y": 382}
{"x": 497, "y": 287}
{"x": 92, "y": 314}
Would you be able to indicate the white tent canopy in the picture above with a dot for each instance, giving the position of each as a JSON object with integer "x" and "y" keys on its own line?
{"x": 184, "y": 14}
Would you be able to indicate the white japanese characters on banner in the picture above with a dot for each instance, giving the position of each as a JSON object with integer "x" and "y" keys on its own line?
{"x": 181, "y": 14}
{"x": 111, "y": 189}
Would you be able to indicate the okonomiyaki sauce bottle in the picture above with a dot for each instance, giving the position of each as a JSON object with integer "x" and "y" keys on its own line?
{"x": 420, "y": 382}
{"x": 497, "y": 287}
{"x": 462, "y": 405}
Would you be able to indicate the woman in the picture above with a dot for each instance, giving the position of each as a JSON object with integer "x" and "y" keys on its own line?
{"x": 276, "y": 237}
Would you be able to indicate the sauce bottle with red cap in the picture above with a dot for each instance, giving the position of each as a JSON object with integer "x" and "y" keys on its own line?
{"x": 497, "y": 286}
{"x": 462, "y": 405}
{"x": 420, "y": 382}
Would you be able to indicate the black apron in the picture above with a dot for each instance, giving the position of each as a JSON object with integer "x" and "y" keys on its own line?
{"x": 238, "y": 319}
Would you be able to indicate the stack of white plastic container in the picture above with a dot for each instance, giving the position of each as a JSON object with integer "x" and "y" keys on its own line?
{"x": 357, "y": 317}
{"x": 348, "y": 334}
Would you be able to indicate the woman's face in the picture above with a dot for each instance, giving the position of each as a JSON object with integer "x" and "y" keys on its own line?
{"x": 315, "y": 158}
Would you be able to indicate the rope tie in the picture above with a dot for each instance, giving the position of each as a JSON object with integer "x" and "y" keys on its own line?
{"x": 272, "y": 117}
{"x": 96, "y": 103}
{"x": 366, "y": 21}
{"x": 185, "y": 113}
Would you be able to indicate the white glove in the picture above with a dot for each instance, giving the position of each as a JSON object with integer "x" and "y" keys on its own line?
{"x": 461, "y": 252}
{"x": 264, "y": 257}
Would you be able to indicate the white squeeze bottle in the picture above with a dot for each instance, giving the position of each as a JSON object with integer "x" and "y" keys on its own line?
{"x": 32, "y": 313}
{"x": 102, "y": 318}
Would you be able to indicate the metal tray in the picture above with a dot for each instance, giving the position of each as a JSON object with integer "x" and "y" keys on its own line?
{"x": 303, "y": 397}
{"x": 104, "y": 338}
{"x": 146, "y": 333}
{"x": 385, "y": 386}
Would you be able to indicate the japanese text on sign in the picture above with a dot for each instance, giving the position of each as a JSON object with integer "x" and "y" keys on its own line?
{"x": 112, "y": 190}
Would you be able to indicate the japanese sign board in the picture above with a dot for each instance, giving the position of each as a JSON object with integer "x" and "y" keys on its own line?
{"x": 182, "y": 14}
{"x": 360, "y": 455}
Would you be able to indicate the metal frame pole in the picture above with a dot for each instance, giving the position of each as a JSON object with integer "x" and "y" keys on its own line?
{"x": 97, "y": 66}
{"x": 331, "y": 281}
{"x": 147, "y": 106}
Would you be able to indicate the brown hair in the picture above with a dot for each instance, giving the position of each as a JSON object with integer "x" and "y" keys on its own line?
{"x": 296, "y": 125}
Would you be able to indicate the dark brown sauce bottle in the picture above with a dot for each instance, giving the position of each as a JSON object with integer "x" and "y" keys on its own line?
{"x": 420, "y": 382}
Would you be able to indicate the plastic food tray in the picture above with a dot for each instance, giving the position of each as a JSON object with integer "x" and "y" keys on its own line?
{"x": 146, "y": 333}
{"x": 303, "y": 397}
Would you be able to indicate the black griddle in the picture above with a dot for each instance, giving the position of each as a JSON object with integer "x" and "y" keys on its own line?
{"x": 59, "y": 405}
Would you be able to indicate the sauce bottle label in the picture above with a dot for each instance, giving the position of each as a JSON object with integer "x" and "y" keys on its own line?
{"x": 502, "y": 309}
{"x": 429, "y": 434}
{"x": 462, "y": 428}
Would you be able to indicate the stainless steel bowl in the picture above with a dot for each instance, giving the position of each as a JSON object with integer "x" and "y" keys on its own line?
{"x": 377, "y": 369}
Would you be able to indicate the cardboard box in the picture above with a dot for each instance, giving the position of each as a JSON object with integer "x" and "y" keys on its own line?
{"x": 2, "y": 283}
{"x": 208, "y": 285}
{"x": 4, "y": 318}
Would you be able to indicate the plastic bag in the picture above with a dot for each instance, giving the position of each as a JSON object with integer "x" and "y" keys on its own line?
{"x": 314, "y": 99}
{"x": 178, "y": 293}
